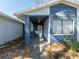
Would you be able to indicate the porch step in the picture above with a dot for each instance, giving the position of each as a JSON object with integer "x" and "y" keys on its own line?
{"x": 37, "y": 51}
{"x": 37, "y": 47}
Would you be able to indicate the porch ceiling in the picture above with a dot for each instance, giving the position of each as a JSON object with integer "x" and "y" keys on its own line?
{"x": 38, "y": 19}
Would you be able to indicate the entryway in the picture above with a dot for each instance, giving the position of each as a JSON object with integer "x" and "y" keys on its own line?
{"x": 38, "y": 32}
{"x": 37, "y": 28}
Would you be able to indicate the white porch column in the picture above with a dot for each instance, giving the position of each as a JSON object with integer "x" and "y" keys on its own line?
{"x": 48, "y": 31}
{"x": 78, "y": 25}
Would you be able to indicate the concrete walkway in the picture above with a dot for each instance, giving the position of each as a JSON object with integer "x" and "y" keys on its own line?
{"x": 37, "y": 48}
{"x": 36, "y": 52}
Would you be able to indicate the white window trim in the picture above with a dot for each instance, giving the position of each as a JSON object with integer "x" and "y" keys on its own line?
{"x": 67, "y": 34}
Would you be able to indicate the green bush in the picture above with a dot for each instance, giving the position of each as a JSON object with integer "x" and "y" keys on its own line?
{"x": 71, "y": 43}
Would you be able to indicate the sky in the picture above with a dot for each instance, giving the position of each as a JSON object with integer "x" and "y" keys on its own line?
{"x": 12, "y": 6}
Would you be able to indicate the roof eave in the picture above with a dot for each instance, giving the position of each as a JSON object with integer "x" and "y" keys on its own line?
{"x": 36, "y": 8}
{"x": 46, "y": 5}
{"x": 11, "y": 18}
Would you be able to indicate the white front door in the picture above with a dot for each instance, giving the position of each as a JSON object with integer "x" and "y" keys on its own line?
{"x": 40, "y": 30}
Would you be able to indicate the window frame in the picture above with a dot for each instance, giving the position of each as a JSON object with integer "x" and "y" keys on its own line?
{"x": 62, "y": 27}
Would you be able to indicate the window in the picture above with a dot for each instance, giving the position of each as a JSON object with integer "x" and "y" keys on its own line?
{"x": 56, "y": 27}
{"x": 62, "y": 27}
{"x": 68, "y": 27}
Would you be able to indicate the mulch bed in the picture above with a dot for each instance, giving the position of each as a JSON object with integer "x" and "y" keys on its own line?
{"x": 15, "y": 50}
{"x": 59, "y": 51}
{"x": 17, "y": 41}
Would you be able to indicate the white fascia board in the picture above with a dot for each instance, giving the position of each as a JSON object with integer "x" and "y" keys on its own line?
{"x": 35, "y": 8}
{"x": 53, "y": 2}
{"x": 11, "y": 17}
{"x": 71, "y": 4}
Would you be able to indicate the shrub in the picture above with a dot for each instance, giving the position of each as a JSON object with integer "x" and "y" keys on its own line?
{"x": 71, "y": 43}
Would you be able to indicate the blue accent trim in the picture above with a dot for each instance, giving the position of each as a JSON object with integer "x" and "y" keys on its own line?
{"x": 27, "y": 31}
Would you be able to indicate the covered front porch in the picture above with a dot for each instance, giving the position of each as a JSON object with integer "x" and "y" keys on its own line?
{"x": 38, "y": 29}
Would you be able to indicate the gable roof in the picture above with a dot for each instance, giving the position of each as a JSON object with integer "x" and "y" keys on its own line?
{"x": 10, "y": 17}
{"x": 53, "y": 2}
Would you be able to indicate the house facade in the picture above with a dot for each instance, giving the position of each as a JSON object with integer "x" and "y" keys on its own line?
{"x": 54, "y": 21}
